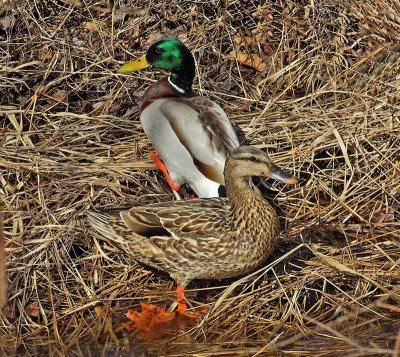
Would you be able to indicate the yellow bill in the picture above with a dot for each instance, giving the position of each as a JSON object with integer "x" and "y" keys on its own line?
{"x": 134, "y": 66}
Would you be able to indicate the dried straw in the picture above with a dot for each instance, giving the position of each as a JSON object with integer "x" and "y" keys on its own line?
{"x": 324, "y": 105}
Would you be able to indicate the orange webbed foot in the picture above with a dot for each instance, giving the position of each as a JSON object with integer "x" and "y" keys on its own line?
{"x": 180, "y": 295}
{"x": 164, "y": 170}
{"x": 182, "y": 307}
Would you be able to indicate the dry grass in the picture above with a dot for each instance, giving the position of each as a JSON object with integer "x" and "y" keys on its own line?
{"x": 325, "y": 107}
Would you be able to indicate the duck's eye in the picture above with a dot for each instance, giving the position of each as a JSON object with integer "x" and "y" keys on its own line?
{"x": 253, "y": 159}
{"x": 159, "y": 50}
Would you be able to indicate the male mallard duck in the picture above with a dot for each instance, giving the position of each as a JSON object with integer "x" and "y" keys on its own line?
{"x": 191, "y": 134}
{"x": 203, "y": 238}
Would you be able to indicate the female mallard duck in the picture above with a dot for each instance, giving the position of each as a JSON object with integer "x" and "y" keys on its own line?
{"x": 191, "y": 134}
{"x": 203, "y": 238}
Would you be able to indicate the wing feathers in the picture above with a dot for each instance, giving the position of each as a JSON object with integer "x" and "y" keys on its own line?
{"x": 204, "y": 130}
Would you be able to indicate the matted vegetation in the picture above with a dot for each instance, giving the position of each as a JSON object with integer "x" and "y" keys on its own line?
{"x": 321, "y": 94}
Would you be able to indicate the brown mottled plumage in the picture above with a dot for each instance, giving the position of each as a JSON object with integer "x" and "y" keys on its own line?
{"x": 203, "y": 238}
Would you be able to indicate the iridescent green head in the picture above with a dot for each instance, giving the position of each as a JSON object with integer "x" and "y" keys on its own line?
{"x": 169, "y": 54}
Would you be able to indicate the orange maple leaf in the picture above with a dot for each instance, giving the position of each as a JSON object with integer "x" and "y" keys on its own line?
{"x": 249, "y": 59}
{"x": 153, "y": 322}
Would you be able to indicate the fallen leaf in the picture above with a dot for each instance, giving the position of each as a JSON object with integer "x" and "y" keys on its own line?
{"x": 98, "y": 105}
{"x": 33, "y": 309}
{"x": 7, "y": 22}
{"x": 154, "y": 322}
{"x": 45, "y": 54}
{"x": 385, "y": 217}
{"x": 243, "y": 40}
{"x": 251, "y": 60}
{"x": 151, "y": 323}
{"x": 128, "y": 10}
{"x": 261, "y": 10}
{"x": 8, "y": 312}
{"x": 59, "y": 94}
{"x": 90, "y": 25}
{"x": 152, "y": 38}
{"x": 180, "y": 33}
{"x": 172, "y": 17}
{"x": 76, "y": 41}
{"x": 264, "y": 44}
